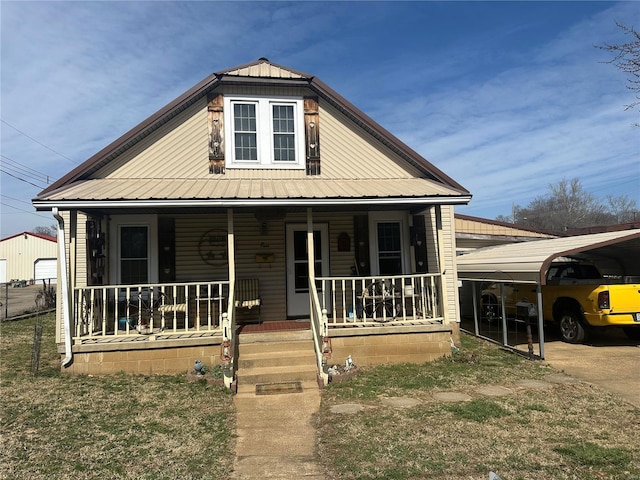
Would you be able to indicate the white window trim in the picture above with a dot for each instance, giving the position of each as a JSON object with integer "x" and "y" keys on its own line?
{"x": 390, "y": 216}
{"x": 118, "y": 221}
{"x": 265, "y": 134}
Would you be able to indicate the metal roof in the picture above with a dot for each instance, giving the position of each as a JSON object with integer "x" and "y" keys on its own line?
{"x": 266, "y": 191}
{"x": 263, "y": 72}
{"x": 529, "y": 261}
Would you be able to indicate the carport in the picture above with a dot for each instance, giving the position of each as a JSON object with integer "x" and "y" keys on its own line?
{"x": 616, "y": 254}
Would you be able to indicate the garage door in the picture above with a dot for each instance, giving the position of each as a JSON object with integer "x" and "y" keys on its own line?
{"x": 46, "y": 268}
{"x": 3, "y": 271}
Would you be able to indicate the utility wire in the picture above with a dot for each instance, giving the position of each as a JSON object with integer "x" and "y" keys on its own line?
{"x": 18, "y": 165}
{"x": 25, "y": 211}
{"x": 38, "y": 142}
{"x": 22, "y": 179}
{"x": 16, "y": 168}
{"x": 12, "y": 198}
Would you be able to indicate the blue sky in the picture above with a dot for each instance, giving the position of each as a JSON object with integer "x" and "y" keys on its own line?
{"x": 505, "y": 97}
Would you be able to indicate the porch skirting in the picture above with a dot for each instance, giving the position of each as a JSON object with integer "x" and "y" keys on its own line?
{"x": 145, "y": 358}
{"x": 380, "y": 346}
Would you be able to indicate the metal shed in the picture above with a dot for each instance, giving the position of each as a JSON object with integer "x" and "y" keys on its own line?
{"x": 616, "y": 254}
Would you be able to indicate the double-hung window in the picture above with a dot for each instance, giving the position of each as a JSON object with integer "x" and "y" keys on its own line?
{"x": 264, "y": 132}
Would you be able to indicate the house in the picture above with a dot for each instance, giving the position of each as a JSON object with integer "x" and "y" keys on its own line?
{"x": 28, "y": 257}
{"x": 260, "y": 196}
{"x": 476, "y": 232}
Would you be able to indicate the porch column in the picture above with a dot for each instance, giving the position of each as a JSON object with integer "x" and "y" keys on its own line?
{"x": 231, "y": 249}
{"x": 442, "y": 265}
{"x": 310, "y": 248}
{"x": 73, "y": 251}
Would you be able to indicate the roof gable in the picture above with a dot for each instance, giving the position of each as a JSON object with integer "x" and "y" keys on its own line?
{"x": 260, "y": 73}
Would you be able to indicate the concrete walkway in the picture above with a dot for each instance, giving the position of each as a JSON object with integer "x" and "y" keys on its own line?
{"x": 275, "y": 435}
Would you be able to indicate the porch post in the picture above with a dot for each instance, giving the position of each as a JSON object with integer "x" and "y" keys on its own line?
{"x": 73, "y": 250}
{"x": 442, "y": 265}
{"x": 310, "y": 248}
{"x": 231, "y": 249}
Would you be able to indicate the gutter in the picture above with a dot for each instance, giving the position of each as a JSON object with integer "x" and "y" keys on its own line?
{"x": 258, "y": 202}
{"x": 62, "y": 255}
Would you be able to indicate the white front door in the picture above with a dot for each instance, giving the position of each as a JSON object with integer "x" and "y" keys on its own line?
{"x": 298, "y": 264}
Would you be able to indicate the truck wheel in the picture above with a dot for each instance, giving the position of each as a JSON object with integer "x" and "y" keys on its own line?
{"x": 571, "y": 328}
{"x": 632, "y": 332}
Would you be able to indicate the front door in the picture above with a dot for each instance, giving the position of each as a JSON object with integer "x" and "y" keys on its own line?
{"x": 298, "y": 265}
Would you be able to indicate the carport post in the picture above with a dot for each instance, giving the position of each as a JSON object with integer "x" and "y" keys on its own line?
{"x": 505, "y": 336}
{"x": 540, "y": 321}
{"x": 474, "y": 296}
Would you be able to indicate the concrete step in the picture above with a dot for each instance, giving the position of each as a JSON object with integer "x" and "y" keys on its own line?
{"x": 274, "y": 346}
{"x": 276, "y": 358}
{"x": 281, "y": 374}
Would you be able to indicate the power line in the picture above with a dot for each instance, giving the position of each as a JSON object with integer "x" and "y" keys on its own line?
{"x": 22, "y": 210}
{"x": 12, "y": 198}
{"x": 21, "y": 179}
{"x": 16, "y": 168}
{"x": 38, "y": 142}
{"x": 24, "y": 167}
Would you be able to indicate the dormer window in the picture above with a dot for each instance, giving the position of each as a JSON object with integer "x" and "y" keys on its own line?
{"x": 264, "y": 132}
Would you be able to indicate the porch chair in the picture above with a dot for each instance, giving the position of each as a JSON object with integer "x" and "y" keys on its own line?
{"x": 247, "y": 295}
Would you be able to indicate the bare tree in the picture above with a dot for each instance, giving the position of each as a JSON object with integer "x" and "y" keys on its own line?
{"x": 626, "y": 57}
{"x": 568, "y": 205}
{"x": 42, "y": 230}
{"x": 623, "y": 208}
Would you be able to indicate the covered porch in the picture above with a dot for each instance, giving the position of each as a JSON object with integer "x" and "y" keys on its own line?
{"x": 306, "y": 264}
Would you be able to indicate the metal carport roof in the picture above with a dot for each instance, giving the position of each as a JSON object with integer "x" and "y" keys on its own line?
{"x": 528, "y": 261}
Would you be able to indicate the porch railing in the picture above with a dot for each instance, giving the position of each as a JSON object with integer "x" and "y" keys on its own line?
{"x": 319, "y": 328}
{"x": 121, "y": 310}
{"x": 382, "y": 299}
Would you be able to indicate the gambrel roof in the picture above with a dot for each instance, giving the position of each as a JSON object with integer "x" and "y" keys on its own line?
{"x": 97, "y": 181}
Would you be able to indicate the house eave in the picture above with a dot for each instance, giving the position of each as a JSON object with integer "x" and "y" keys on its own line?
{"x": 241, "y": 203}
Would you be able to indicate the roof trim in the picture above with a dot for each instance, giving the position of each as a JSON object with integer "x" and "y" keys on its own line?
{"x": 293, "y": 202}
{"x": 209, "y": 83}
{"x": 37, "y": 235}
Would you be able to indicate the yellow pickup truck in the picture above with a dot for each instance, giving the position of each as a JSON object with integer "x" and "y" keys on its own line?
{"x": 576, "y": 298}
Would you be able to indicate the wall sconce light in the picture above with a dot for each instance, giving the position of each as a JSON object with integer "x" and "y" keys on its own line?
{"x": 264, "y": 228}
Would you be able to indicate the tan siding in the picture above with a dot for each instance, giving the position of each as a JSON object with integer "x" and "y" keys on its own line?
{"x": 346, "y": 151}
{"x": 452, "y": 301}
{"x": 81, "y": 251}
{"x": 22, "y": 251}
{"x": 482, "y": 228}
{"x": 178, "y": 149}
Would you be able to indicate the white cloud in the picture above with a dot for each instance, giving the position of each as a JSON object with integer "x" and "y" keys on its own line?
{"x": 497, "y": 103}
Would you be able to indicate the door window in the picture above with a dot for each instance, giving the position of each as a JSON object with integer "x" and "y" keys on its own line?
{"x": 134, "y": 255}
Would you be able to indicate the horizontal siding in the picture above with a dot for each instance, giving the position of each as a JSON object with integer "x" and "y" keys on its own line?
{"x": 178, "y": 149}
{"x": 347, "y": 151}
{"x": 22, "y": 251}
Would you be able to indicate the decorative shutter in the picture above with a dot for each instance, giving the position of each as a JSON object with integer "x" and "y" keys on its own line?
{"x": 419, "y": 242}
{"x": 361, "y": 248}
{"x": 312, "y": 135}
{"x": 167, "y": 250}
{"x": 216, "y": 133}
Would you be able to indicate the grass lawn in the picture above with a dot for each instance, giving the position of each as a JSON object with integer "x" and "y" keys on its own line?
{"x": 57, "y": 426}
{"x": 562, "y": 431}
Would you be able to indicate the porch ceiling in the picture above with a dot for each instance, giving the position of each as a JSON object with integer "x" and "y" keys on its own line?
{"x": 237, "y": 192}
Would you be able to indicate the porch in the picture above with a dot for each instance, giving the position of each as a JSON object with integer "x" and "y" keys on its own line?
{"x": 159, "y": 328}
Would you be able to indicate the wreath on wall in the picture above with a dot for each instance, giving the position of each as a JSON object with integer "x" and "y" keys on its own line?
{"x": 212, "y": 248}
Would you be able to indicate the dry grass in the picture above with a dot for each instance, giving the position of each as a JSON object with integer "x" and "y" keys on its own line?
{"x": 566, "y": 431}
{"x": 118, "y": 427}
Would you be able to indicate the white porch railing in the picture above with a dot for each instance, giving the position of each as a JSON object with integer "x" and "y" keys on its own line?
{"x": 318, "y": 321}
{"x": 123, "y": 310}
{"x": 382, "y": 299}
